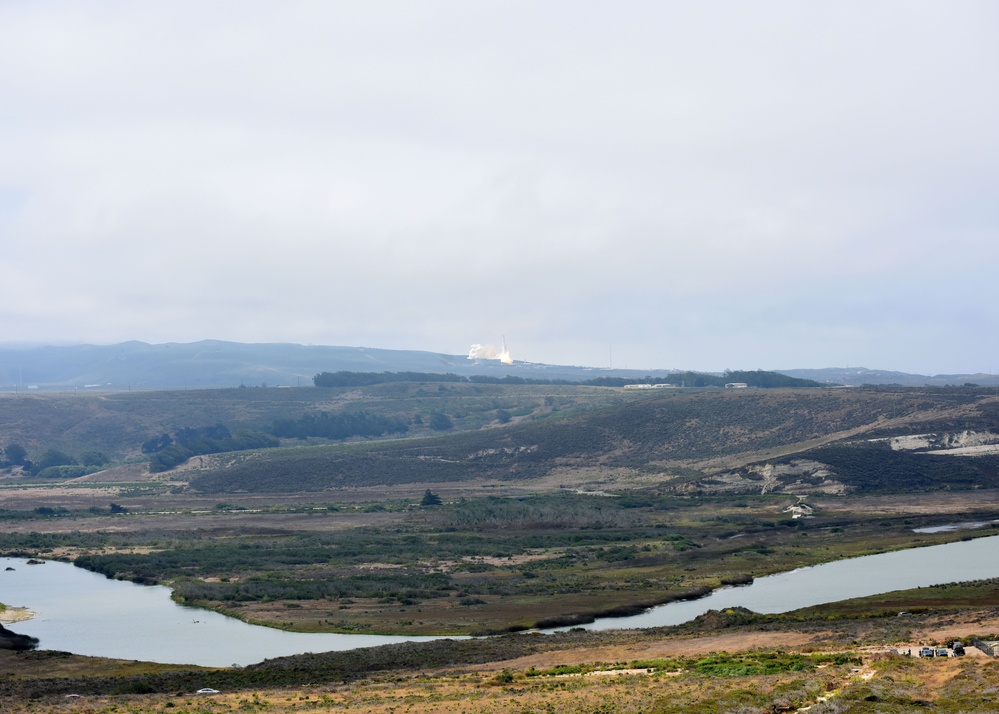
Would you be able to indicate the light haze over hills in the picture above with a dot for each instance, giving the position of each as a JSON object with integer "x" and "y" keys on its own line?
{"x": 213, "y": 363}
{"x": 724, "y": 185}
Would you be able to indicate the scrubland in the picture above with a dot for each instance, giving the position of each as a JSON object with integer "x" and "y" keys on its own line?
{"x": 557, "y": 504}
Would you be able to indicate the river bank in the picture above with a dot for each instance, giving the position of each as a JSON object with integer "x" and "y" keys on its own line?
{"x": 87, "y": 613}
{"x": 14, "y": 614}
{"x": 765, "y": 661}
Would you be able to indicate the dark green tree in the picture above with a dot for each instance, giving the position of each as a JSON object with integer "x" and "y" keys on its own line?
{"x": 156, "y": 443}
{"x": 15, "y": 454}
{"x": 439, "y": 421}
{"x": 93, "y": 458}
{"x": 431, "y": 499}
{"x": 54, "y": 457}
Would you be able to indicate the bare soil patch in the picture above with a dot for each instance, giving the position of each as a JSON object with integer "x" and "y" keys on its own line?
{"x": 943, "y": 502}
{"x": 666, "y": 647}
{"x": 15, "y": 614}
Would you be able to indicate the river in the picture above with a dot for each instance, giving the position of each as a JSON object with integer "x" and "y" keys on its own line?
{"x": 85, "y": 613}
{"x": 831, "y": 582}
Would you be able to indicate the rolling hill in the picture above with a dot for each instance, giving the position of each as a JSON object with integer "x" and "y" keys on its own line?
{"x": 681, "y": 440}
{"x": 213, "y": 363}
{"x": 795, "y": 441}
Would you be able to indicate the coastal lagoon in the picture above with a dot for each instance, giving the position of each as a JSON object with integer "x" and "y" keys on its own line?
{"x": 831, "y": 582}
{"x": 85, "y": 613}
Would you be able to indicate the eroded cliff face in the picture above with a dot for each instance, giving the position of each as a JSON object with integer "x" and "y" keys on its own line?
{"x": 804, "y": 476}
{"x": 968, "y": 440}
{"x": 801, "y": 476}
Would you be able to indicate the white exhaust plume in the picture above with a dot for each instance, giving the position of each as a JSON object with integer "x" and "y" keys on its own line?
{"x": 489, "y": 352}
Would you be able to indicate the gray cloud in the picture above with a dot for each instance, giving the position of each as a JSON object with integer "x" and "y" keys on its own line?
{"x": 683, "y": 185}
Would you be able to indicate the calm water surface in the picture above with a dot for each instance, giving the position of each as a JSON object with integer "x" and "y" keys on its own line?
{"x": 966, "y": 525}
{"x": 855, "y": 577}
{"x": 85, "y": 613}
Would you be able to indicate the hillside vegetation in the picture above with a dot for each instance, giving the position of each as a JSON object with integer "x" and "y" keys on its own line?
{"x": 456, "y": 508}
{"x": 497, "y": 506}
{"x": 684, "y": 440}
{"x": 395, "y": 432}
{"x": 119, "y": 423}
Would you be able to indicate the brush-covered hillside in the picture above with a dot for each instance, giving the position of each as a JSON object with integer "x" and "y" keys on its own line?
{"x": 255, "y": 440}
{"x": 126, "y": 425}
{"x": 797, "y": 441}
{"x": 119, "y": 423}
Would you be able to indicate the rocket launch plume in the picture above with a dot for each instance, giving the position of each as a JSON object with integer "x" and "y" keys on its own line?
{"x": 490, "y": 352}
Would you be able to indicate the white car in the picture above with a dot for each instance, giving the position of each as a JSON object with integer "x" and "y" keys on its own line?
{"x": 208, "y": 690}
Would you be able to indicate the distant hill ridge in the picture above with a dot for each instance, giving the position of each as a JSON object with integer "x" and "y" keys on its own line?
{"x": 857, "y": 376}
{"x": 214, "y": 363}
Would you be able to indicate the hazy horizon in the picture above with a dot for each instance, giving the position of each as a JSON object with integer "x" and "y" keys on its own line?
{"x": 655, "y": 185}
{"x": 657, "y": 368}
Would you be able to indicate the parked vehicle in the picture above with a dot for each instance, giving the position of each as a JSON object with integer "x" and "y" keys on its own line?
{"x": 926, "y": 652}
{"x": 958, "y": 649}
{"x": 208, "y": 690}
{"x": 942, "y": 652}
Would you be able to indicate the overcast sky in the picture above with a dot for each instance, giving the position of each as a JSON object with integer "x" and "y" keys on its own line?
{"x": 691, "y": 185}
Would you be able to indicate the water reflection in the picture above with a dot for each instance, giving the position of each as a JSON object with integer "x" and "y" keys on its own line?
{"x": 831, "y": 582}
{"x": 947, "y": 528}
{"x": 85, "y": 613}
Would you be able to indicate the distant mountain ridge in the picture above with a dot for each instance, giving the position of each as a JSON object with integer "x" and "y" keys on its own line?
{"x": 858, "y": 376}
{"x": 216, "y": 363}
